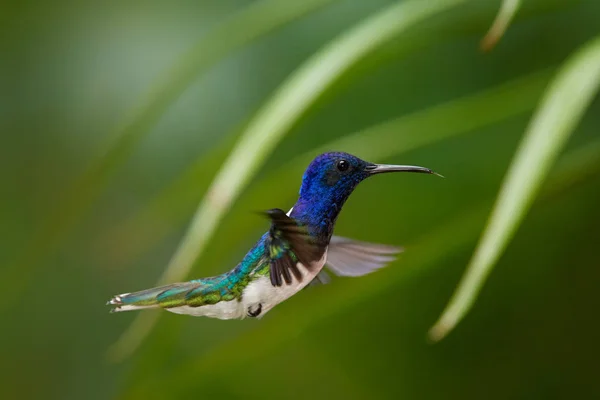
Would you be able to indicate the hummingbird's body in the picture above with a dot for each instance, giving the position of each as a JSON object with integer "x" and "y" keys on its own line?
{"x": 288, "y": 257}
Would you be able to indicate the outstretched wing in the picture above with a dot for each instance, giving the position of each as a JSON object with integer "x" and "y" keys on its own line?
{"x": 288, "y": 244}
{"x": 348, "y": 257}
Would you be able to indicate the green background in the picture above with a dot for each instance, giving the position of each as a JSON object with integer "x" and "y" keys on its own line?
{"x": 72, "y": 72}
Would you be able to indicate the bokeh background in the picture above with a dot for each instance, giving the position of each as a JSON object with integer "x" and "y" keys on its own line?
{"x": 72, "y": 74}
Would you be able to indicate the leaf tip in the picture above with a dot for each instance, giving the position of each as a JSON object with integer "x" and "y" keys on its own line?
{"x": 488, "y": 42}
{"x": 500, "y": 24}
{"x": 438, "y": 332}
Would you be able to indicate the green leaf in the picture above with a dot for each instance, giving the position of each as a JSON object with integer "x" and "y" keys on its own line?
{"x": 291, "y": 100}
{"x": 563, "y": 105}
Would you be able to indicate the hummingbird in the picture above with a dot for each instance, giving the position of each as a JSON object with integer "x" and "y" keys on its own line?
{"x": 291, "y": 255}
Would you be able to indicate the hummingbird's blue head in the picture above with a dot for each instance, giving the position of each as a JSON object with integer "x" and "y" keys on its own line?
{"x": 330, "y": 179}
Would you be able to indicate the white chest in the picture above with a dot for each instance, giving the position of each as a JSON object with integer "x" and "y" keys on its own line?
{"x": 262, "y": 292}
{"x": 260, "y": 295}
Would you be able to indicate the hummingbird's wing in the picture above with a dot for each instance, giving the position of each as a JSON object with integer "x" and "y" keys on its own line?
{"x": 322, "y": 278}
{"x": 348, "y": 257}
{"x": 289, "y": 243}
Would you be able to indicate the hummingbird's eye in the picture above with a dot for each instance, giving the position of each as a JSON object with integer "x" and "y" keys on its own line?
{"x": 343, "y": 165}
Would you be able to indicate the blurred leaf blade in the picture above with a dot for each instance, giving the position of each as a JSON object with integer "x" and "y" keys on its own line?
{"x": 459, "y": 116}
{"x": 256, "y": 20}
{"x": 561, "y": 109}
{"x": 271, "y": 123}
{"x": 507, "y": 12}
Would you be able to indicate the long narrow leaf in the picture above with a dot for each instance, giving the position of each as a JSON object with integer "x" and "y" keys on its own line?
{"x": 269, "y": 126}
{"x": 563, "y": 105}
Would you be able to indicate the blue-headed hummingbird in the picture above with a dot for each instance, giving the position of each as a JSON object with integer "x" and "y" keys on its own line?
{"x": 287, "y": 258}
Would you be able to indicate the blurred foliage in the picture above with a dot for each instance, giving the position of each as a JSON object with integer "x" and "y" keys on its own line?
{"x": 72, "y": 72}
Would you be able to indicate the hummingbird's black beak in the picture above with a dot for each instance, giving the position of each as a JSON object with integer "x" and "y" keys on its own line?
{"x": 381, "y": 168}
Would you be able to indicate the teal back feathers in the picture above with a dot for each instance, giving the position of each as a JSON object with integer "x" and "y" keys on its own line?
{"x": 199, "y": 292}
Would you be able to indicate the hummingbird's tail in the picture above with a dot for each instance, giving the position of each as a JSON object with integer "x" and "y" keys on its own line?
{"x": 163, "y": 296}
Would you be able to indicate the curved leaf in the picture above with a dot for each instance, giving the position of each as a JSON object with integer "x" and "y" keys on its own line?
{"x": 562, "y": 107}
